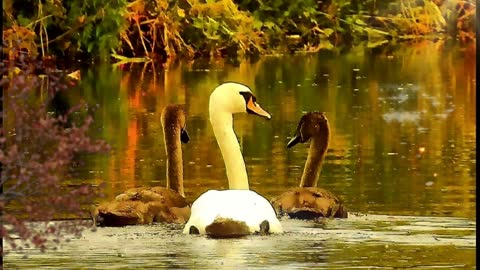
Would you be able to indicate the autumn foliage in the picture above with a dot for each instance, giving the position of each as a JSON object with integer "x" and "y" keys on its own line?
{"x": 164, "y": 30}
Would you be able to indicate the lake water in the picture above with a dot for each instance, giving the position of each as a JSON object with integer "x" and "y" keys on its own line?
{"x": 402, "y": 157}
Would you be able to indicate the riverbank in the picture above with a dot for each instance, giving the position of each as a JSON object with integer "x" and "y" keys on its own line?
{"x": 164, "y": 31}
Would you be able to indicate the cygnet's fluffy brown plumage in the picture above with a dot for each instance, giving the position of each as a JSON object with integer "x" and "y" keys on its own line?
{"x": 308, "y": 201}
{"x": 144, "y": 205}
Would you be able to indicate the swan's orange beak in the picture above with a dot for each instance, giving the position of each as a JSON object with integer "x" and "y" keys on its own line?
{"x": 253, "y": 107}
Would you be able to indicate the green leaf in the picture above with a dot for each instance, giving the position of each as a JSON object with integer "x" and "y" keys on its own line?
{"x": 328, "y": 31}
{"x": 198, "y": 23}
{"x": 90, "y": 47}
{"x": 269, "y": 24}
{"x": 97, "y": 31}
{"x": 376, "y": 44}
{"x": 360, "y": 22}
{"x": 325, "y": 44}
{"x": 372, "y": 32}
{"x": 257, "y": 24}
{"x": 23, "y": 21}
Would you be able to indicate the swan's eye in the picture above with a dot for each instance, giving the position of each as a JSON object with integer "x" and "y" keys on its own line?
{"x": 248, "y": 96}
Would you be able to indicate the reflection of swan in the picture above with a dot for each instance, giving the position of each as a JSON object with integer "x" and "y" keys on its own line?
{"x": 238, "y": 211}
{"x": 144, "y": 205}
{"x": 308, "y": 201}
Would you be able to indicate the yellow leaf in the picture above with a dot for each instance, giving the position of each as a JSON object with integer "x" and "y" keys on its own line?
{"x": 74, "y": 75}
{"x": 181, "y": 12}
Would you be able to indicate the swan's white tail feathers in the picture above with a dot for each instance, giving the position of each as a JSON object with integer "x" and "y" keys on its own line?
{"x": 232, "y": 213}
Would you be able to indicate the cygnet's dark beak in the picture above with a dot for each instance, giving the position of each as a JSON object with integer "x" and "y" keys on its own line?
{"x": 184, "y": 136}
{"x": 296, "y": 139}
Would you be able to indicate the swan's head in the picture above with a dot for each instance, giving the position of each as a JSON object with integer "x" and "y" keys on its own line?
{"x": 311, "y": 124}
{"x": 173, "y": 118}
{"x": 235, "y": 98}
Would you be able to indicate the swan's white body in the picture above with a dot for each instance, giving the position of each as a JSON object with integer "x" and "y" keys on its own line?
{"x": 239, "y": 203}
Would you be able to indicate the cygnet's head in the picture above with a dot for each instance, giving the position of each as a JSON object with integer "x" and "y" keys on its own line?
{"x": 173, "y": 118}
{"x": 311, "y": 124}
{"x": 235, "y": 98}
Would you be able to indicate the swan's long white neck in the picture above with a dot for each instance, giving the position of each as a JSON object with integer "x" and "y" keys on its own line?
{"x": 222, "y": 123}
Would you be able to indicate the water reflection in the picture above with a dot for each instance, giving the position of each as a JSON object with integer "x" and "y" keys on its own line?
{"x": 403, "y": 154}
{"x": 403, "y": 126}
{"x": 403, "y": 145}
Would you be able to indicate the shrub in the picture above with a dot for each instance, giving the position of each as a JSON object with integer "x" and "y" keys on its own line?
{"x": 37, "y": 151}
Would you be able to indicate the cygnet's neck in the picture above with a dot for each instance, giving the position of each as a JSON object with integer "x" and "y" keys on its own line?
{"x": 316, "y": 154}
{"x": 173, "y": 149}
{"x": 222, "y": 123}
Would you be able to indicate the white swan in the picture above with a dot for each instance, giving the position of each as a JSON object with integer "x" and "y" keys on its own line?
{"x": 238, "y": 211}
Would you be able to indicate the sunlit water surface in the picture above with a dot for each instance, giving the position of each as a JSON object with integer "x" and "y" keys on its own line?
{"x": 402, "y": 156}
{"x": 361, "y": 241}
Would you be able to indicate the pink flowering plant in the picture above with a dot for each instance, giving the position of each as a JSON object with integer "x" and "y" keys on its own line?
{"x": 38, "y": 150}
